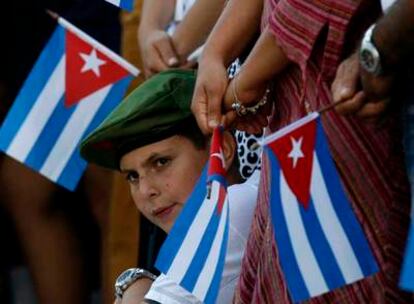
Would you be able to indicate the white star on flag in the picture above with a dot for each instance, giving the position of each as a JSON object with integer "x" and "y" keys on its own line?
{"x": 296, "y": 152}
{"x": 92, "y": 62}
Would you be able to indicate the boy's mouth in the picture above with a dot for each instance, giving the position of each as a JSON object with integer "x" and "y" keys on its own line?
{"x": 163, "y": 211}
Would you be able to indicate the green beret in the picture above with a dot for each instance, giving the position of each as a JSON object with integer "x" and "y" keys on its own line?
{"x": 152, "y": 112}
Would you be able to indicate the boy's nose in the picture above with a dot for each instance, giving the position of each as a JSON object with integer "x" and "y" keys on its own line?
{"x": 148, "y": 187}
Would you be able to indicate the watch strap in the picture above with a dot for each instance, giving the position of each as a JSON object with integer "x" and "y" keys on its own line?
{"x": 128, "y": 277}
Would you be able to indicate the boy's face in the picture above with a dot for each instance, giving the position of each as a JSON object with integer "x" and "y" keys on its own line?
{"x": 161, "y": 177}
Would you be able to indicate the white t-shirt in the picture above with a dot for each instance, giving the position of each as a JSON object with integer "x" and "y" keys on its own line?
{"x": 242, "y": 202}
{"x": 386, "y": 4}
{"x": 181, "y": 9}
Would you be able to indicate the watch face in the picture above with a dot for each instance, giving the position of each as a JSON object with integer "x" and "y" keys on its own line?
{"x": 128, "y": 277}
{"x": 368, "y": 60}
{"x": 125, "y": 275}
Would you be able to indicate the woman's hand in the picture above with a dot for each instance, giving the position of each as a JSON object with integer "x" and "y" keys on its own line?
{"x": 211, "y": 85}
{"x": 157, "y": 52}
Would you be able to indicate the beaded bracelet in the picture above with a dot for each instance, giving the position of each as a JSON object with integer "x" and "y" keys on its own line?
{"x": 242, "y": 110}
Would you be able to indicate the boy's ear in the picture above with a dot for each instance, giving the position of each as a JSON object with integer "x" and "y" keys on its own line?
{"x": 229, "y": 146}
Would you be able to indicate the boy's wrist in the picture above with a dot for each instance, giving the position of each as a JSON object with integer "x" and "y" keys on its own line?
{"x": 129, "y": 277}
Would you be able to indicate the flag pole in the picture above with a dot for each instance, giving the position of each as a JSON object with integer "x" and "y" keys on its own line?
{"x": 52, "y": 14}
{"x": 329, "y": 107}
{"x": 322, "y": 110}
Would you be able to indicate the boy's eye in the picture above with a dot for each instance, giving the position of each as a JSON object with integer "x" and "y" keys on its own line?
{"x": 162, "y": 161}
{"x": 132, "y": 177}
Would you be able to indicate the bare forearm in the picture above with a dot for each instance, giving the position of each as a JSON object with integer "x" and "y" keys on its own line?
{"x": 265, "y": 61}
{"x": 394, "y": 34}
{"x": 237, "y": 25}
{"x": 157, "y": 50}
{"x": 156, "y": 14}
{"x": 192, "y": 32}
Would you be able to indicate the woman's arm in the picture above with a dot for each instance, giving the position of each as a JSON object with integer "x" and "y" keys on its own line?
{"x": 265, "y": 61}
{"x": 197, "y": 24}
{"x": 156, "y": 14}
{"x": 157, "y": 50}
{"x": 236, "y": 26}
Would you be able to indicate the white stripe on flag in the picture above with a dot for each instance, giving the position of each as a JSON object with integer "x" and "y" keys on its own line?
{"x": 189, "y": 246}
{"x": 72, "y": 133}
{"x": 38, "y": 116}
{"x": 305, "y": 258}
{"x": 206, "y": 276}
{"x": 115, "y": 2}
{"x": 334, "y": 232}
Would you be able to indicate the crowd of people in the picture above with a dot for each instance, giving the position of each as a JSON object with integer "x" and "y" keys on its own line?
{"x": 305, "y": 56}
{"x": 254, "y": 67}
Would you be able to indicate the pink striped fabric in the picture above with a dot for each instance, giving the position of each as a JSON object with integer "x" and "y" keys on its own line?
{"x": 369, "y": 157}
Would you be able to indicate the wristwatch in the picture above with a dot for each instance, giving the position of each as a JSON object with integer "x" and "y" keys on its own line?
{"x": 128, "y": 277}
{"x": 369, "y": 56}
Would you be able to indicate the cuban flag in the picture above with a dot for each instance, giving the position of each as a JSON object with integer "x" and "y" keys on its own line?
{"x": 73, "y": 86}
{"x": 125, "y": 4}
{"x": 194, "y": 252}
{"x": 407, "y": 274}
{"x": 320, "y": 242}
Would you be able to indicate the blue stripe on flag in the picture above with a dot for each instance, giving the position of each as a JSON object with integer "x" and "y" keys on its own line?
{"x": 287, "y": 257}
{"x": 173, "y": 243}
{"x": 127, "y": 4}
{"x": 197, "y": 263}
{"x": 50, "y": 134}
{"x": 32, "y": 87}
{"x": 342, "y": 207}
{"x": 72, "y": 173}
{"x": 218, "y": 177}
{"x": 214, "y": 288}
{"x": 407, "y": 275}
{"x": 320, "y": 246}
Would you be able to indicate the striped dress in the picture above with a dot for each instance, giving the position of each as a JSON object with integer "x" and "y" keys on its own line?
{"x": 316, "y": 35}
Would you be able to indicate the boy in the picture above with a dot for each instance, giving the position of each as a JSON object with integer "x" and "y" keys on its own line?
{"x": 153, "y": 139}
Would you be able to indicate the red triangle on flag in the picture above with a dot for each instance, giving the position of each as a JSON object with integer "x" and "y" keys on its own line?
{"x": 216, "y": 161}
{"x": 295, "y": 151}
{"x": 87, "y": 69}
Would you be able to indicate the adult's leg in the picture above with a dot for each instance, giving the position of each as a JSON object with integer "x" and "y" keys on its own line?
{"x": 98, "y": 188}
{"x": 49, "y": 245}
